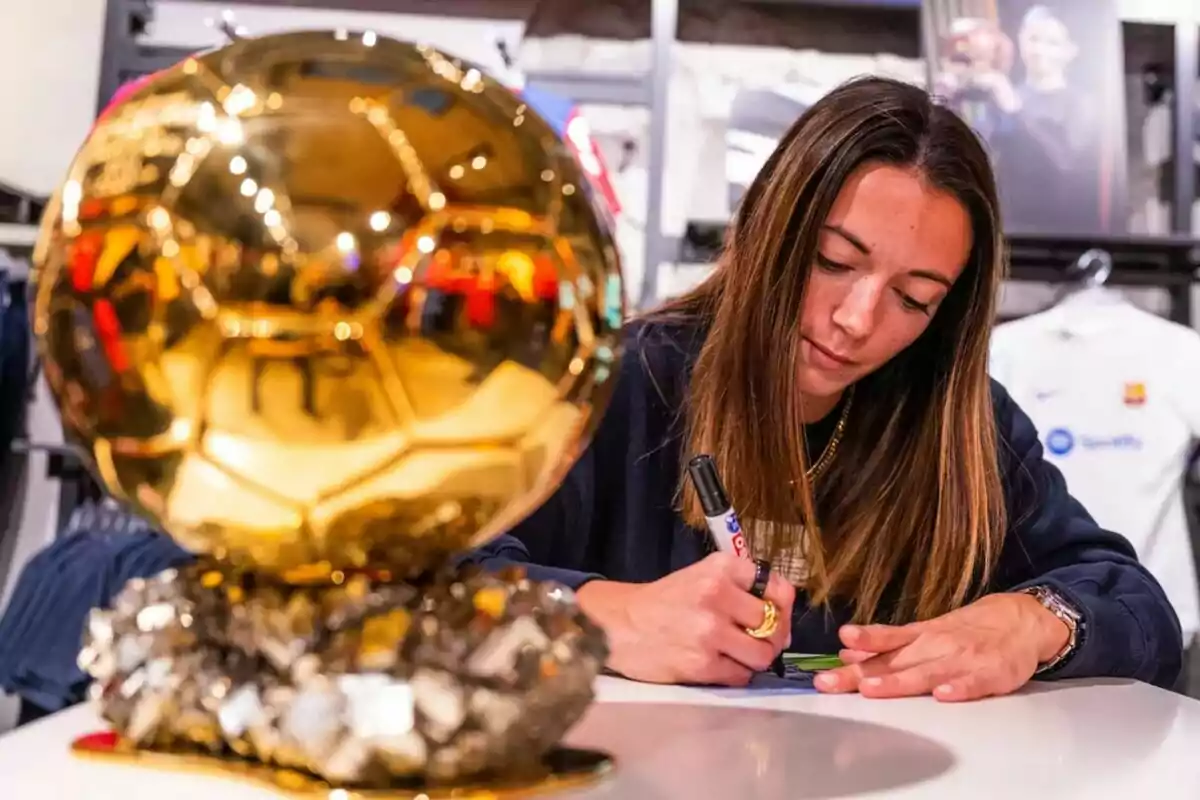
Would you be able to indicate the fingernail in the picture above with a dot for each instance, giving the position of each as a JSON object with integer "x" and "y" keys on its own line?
{"x": 945, "y": 688}
{"x": 851, "y": 631}
{"x": 826, "y": 681}
{"x": 873, "y": 683}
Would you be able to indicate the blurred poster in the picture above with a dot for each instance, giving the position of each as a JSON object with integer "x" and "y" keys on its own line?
{"x": 1043, "y": 84}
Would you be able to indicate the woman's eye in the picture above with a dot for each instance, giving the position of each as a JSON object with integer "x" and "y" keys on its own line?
{"x": 912, "y": 304}
{"x": 829, "y": 265}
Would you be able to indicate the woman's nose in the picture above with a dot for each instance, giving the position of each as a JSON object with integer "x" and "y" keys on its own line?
{"x": 855, "y": 314}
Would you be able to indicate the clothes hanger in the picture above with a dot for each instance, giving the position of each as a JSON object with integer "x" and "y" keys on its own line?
{"x": 228, "y": 26}
{"x": 1086, "y": 281}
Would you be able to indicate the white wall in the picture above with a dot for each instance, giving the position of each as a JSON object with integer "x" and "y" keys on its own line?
{"x": 49, "y": 76}
{"x": 1158, "y": 11}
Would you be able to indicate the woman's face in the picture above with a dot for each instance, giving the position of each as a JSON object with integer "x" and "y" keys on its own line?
{"x": 1046, "y": 48}
{"x": 888, "y": 253}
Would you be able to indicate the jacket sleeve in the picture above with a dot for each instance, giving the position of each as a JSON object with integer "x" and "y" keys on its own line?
{"x": 1129, "y": 629}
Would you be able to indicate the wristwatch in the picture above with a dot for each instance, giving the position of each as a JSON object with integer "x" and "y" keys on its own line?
{"x": 1060, "y": 607}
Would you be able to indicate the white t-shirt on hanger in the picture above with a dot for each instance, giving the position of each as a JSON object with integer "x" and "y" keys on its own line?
{"x": 1114, "y": 392}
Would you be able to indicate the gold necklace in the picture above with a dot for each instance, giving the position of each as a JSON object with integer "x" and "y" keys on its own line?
{"x": 816, "y": 470}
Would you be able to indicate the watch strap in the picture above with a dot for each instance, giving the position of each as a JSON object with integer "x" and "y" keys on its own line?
{"x": 1060, "y": 607}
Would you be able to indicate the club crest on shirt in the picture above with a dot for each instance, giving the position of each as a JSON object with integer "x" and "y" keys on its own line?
{"x": 1134, "y": 394}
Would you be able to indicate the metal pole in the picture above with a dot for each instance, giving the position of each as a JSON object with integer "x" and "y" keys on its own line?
{"x": 663, "y": 22}
{"x": 929, "y": 42}
{"x": 1187, "y": 68}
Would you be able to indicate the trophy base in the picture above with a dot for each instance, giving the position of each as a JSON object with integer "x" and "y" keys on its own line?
{"x": 561, "y": 768}
{"x": 362, "y": 683}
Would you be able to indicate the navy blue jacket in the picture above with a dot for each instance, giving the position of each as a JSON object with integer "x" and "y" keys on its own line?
{"x": 613, "y": 517}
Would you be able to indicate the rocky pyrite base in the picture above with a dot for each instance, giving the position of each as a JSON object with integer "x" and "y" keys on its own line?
{"x": 360, "y": 683}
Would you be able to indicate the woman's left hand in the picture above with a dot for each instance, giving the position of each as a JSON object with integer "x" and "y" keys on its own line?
{"x": 990, "y": 647}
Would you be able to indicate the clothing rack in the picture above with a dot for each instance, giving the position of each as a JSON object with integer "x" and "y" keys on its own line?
{"x": 67, "y": 465}
{"x": 19, "y": 207}
{"x": 19, "y": 213}
{"x": 1168, "y": 262}
{"x": 16, "y": 247}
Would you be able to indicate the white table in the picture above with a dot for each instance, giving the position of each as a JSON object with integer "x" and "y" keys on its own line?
{"x": 1105, "y": 739}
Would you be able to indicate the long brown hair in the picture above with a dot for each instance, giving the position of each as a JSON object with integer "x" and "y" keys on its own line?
{"x": 910, "y": 514}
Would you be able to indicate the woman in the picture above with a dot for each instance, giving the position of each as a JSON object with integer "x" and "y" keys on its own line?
{"x": 835, "y": 367}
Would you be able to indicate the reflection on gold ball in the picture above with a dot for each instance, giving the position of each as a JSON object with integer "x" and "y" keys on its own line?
{"x": 318, "y": 302}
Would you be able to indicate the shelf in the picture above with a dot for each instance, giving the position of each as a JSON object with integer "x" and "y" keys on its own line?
{"x": 18, "y": 236}
{"x": 19, "y": 207}
{"x": 594, "y": 88}
{"x": 1137, "y": 260}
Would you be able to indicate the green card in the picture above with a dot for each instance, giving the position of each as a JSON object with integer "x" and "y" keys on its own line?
{"x": 807, "y": 662}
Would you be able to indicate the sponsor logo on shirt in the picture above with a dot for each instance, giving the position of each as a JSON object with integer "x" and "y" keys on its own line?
{"x": 1135, "y": 394}
{"x": 1061, "y": 441}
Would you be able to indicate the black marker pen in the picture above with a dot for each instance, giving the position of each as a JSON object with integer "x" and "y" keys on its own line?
{"x": 722, "y": 520}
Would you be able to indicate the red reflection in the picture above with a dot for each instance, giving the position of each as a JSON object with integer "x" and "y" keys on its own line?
{"x": 587, "y": 153}
{"x": 85, "y": 253}
{"x": 108, "y": 331}
{"x": 545, "y": 279}
{"x": 481, "y": 303}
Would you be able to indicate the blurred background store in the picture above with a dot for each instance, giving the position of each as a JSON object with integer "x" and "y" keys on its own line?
{"x": 671, "y": 107}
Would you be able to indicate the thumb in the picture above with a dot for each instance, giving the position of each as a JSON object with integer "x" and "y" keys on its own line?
{"x": 878, "y": 638}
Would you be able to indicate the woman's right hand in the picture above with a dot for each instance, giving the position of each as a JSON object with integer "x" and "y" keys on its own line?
{"x": 690, "y": 627}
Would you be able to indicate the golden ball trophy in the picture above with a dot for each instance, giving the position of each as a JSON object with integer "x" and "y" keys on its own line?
{"x": 333, "y": 310}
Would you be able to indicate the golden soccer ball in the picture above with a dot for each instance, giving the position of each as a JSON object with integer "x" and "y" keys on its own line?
{"x": 317, "y": 302}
